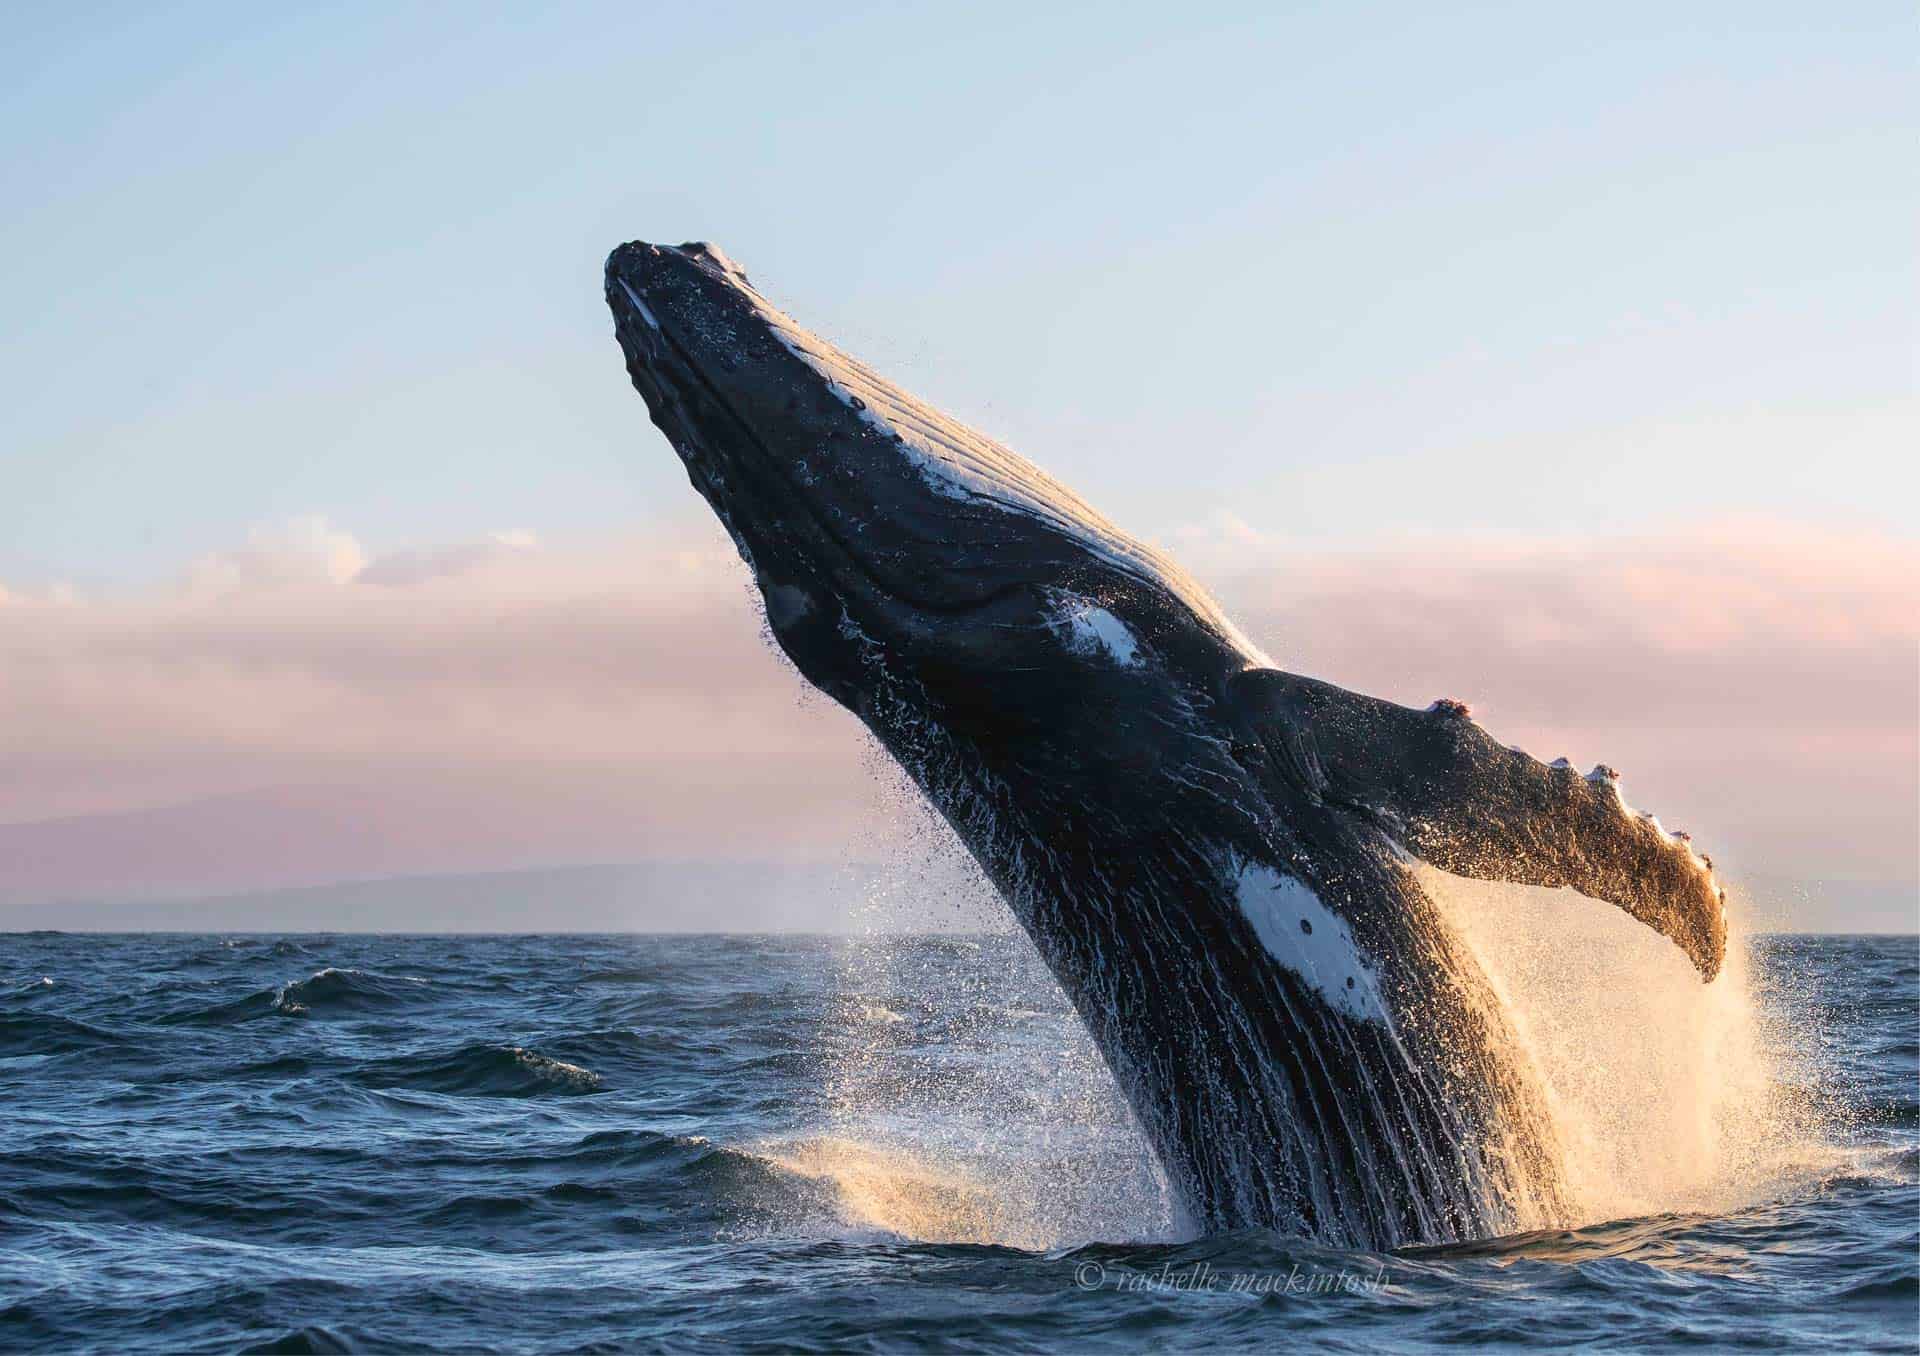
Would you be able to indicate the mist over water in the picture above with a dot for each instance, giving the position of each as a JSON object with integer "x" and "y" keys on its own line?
{"x": 965, "y": 1101}
{"x": 1663, "y": 1093}
{"x": 969, "y": 1105}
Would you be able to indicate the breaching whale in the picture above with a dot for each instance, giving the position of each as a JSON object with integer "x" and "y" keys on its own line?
{"x": 1214, "y": 857}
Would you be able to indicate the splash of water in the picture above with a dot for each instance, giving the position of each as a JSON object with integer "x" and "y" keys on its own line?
{"x": 896, "y": 1191}
{"x": 969, "y": 1104}
{"x": 966, "y": 1101}
{"x": 1663, "y": 1094}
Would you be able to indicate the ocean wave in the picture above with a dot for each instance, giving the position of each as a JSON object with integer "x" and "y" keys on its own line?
{"x": 312, "y": 1340}
{"x": 231, "y": 951}
{"x": 481, "y": 1070}
{"x": 326, "y": 991}
{"x": 650, "y": 1156}
{"x": 1893, "y": 1285}
{"x": 625, "y": 975}
{"x": 252, "y": 1007}
{"x": 48, "y": 1034}
{"x": 632, "y": 1149}
{"x": 337, "y": 989}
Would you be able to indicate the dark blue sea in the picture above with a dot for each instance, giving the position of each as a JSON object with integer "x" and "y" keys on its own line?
{"x": 606, "y": 1143}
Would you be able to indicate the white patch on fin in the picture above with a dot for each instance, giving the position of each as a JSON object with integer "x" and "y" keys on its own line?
{"x": 1311, "y": 940}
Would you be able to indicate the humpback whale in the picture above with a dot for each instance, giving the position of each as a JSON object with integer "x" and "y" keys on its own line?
{"x": 1214, "y": 857}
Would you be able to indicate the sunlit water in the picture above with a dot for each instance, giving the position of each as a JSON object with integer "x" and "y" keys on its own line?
{"x": 568, "y": 1143}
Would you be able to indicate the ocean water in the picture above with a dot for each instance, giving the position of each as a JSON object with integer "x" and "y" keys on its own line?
{"x": 582, "y": 1143}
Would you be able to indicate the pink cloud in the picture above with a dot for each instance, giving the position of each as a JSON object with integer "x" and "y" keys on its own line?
{"x": 1755, "y": 682}
{"x": 294, "y": 710}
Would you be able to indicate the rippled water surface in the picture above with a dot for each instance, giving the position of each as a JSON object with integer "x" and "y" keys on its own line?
{"x": 602, "y": 1143}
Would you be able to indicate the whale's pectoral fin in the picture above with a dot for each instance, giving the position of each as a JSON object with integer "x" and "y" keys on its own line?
{"x": 1453, "y": 796}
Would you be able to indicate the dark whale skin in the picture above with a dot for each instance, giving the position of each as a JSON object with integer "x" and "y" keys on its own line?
{"x": 1214, "y": 857}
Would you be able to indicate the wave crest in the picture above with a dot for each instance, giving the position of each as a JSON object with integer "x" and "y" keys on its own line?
{"x": 483, "y": 1070}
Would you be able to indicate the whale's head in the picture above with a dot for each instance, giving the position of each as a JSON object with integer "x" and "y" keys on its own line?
{"x": 876, "y": 526}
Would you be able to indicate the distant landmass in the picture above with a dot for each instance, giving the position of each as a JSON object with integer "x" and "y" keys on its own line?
{"x": 411, "y": 822}
{"x": 648, "y": 897}
{"x": 937, "y": 895}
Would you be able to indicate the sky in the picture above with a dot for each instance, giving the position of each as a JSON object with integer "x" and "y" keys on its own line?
{"x": 1562, "y": 360}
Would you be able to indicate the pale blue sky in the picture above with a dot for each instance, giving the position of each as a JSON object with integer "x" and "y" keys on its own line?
{"x": 1346, "y": 272}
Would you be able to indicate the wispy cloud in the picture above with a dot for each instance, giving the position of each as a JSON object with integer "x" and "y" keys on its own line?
{"x": 306, "y": 550}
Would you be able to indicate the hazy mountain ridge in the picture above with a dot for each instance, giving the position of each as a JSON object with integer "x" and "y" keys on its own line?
{"x": 738, "y": 896}
{"x": 632, "y": 897}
